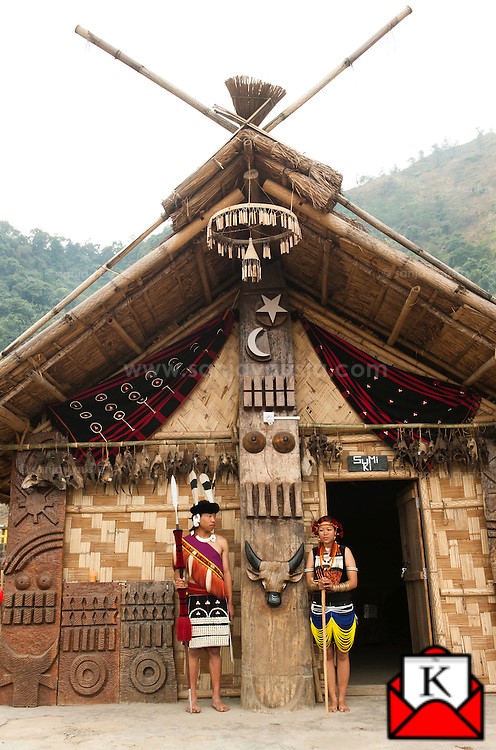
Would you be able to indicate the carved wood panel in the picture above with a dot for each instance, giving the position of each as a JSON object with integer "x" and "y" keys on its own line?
{"x": 89, "y": 644}
{"x": 147, "y": 671}
{"x": 33, "y": 585}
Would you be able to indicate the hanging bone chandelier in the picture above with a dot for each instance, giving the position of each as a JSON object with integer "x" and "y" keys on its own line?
{"x": 245, "y": 230}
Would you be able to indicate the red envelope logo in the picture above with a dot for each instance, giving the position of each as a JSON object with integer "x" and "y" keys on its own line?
{"x": 436, "y": 718}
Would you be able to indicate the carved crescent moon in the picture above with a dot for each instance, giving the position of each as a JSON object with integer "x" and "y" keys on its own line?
{"x": 251, "y": 344}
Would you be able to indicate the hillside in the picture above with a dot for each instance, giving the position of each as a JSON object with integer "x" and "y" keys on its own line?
{"x": 38, "y": 270}
{"x": 446, "y": 203}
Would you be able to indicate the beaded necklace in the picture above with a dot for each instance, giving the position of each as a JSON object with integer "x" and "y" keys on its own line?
{"x": 326, "y": 560}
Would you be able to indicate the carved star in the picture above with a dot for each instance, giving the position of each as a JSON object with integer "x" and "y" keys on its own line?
{"x": 271, "y": 307}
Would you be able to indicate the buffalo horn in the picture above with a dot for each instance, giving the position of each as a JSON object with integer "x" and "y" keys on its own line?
{"x": 296, "y": 559}
{"x": 253, "y": 559}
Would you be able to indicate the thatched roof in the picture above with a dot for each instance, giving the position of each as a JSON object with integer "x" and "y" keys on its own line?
{"x": 340, "y": 270}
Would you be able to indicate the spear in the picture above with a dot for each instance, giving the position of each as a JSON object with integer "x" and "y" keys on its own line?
{"x": 183, "y": 623}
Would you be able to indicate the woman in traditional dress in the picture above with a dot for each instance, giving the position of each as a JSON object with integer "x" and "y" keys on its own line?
{"x": 331, "y": 568}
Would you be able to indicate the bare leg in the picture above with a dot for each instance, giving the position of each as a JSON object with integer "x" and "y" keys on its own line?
{"x": 331, "y": 679}
{"x": 343, "y": 679}
{"x": 194, "y": 669}
{"x": 214, "y": 664}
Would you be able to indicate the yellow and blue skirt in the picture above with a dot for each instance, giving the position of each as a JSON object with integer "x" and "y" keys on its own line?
{"x": 340, "y": 627}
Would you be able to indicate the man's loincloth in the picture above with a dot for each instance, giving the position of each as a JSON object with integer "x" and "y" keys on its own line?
{"x": 209, "y": 621}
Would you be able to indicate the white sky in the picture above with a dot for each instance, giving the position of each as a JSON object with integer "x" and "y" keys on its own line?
{"x": 89, "y": 147}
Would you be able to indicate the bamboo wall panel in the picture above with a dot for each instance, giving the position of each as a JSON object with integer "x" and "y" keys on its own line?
{"x": 467, "y": 591}
{"x": 129, "y": 539}
{"x": 317, "y": 398}
{"x": 214, "y": 403}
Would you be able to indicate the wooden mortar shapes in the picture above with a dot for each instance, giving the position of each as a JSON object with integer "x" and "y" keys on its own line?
{"x": 283, "y": 442}
{"x": 254, "y": 441}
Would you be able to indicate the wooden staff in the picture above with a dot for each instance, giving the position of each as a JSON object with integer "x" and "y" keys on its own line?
{"x": 324, "y": 652}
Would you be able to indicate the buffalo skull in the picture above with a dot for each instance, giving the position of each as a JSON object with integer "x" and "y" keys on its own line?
{"x": 274, "y": 574}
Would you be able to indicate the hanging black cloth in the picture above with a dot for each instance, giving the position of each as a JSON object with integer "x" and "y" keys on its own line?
{"x": 136, "y": 402}
{"x": 382, "y": 394}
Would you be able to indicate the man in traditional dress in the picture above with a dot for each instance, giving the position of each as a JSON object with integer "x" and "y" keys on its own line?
{"x": 210, "y": 605}
{"x": 331, "y": 568}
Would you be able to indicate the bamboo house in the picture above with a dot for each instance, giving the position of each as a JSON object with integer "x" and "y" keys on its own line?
{"x": 314, "y": 361}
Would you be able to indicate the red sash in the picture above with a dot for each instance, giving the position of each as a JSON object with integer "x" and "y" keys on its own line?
{"x": 204, "y": 564}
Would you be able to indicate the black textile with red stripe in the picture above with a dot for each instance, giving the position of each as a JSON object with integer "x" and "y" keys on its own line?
{"x": 136, "y": 402}
{"x": 381, "y": 394}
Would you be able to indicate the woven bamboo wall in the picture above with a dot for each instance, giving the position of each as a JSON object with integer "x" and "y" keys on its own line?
{"x": 317, "y": 399}
{"x": 464, "y": 577}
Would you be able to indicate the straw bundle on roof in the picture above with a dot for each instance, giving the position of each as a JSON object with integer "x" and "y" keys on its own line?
{"x": 248, "y": 95}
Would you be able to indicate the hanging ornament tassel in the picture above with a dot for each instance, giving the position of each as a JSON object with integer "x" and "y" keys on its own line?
{"x": 266, "y": 250}
{"x": 251, "y": 266}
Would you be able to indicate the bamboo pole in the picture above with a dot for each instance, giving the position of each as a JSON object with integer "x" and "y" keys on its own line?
{"x": 345, "y": 230}
{"x": 18, "y": 424}
{"x": 80, "y": 289}
{"x": 397, "y": 237}
{"x": 334, "y": 73}
{"x": 179, "y": 440}
{"x": 119, "y": 55}
{"x": 405, "y": 311}
{"x": 481, "y": 370}
{"x": 112, "y": 322}
{"x": 324, "y": 651}
{"x": 395, "y": 426}
{"x": 325, "y": 273}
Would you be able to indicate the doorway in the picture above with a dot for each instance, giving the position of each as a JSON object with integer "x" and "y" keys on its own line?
{"x": 379, "y": 531}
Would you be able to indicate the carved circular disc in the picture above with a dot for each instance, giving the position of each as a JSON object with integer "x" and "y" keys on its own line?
{"x": 44, "y": 579}
{"x": 88, "y": 674}
{"x": 148, "y": 673}
{"x": 283, "y": 442}
{"x": 22, "y": 581}
{"x": 254, "y": 442}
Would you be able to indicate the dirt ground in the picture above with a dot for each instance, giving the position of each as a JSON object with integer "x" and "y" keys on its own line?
{"x": 168, "y": 727}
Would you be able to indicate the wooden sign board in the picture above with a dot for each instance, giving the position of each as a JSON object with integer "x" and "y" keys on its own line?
{"x": 367, "y": 463}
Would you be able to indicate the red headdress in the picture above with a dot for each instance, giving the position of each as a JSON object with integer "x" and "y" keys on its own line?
{"x": 327, "y": 519}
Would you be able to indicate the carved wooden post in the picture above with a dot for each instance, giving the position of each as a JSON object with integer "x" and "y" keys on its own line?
{"x": 276, "y": 647}
{"x": 33, "y": 586}
{"x": 488, "y": 478}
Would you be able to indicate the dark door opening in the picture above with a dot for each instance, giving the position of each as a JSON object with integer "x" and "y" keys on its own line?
{"x": 368, "y": 512}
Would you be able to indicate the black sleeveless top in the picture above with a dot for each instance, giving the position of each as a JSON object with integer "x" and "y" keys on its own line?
{"x": 338, "y": 598}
